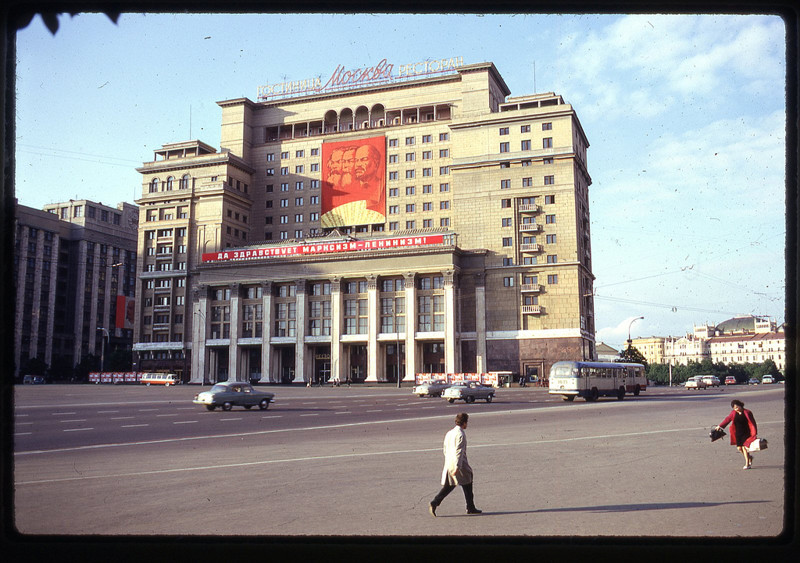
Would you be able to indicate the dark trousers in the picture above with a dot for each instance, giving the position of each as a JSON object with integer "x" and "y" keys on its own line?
{"x": 447, "y": 489}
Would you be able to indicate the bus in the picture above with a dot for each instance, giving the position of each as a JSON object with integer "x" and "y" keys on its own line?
{"x": 165, "y": 379}
{"x": 591, "y": 380}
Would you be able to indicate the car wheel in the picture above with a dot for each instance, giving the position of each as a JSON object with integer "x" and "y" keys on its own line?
{"x": 451, "y": 400}
{"x": 264, "y": 404}
{"x": 210, "y": 407}
{"x": 489, "y": 399}
{"x": 569, "y": 398}
{"x": 470, "y": 399}
{"x": 227, "y": 406}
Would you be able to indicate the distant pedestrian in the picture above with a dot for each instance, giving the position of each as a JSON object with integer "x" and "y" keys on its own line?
{"x": 457, "y": 470}
{"x": 743, "y": 430}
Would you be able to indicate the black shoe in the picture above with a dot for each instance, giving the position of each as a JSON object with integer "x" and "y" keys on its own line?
{"x": 432, "y": 509}
{"x": 473, "y": 511}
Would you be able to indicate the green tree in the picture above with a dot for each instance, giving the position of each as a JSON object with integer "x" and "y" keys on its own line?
{"x": 631, "y": 355}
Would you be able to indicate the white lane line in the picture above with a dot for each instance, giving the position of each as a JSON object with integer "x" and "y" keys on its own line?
{"x": 342, "y": 412}
{"x": 227, "y": 419}
{"x": 15, "y": 414}
{"x": 121, "y": 417}
{"x": 184, "y": 422}
{"x": 173, "y": 414}
{"x": 147, "y": 410}
{"x": 134, "y": 425}
{"x": 106, "y": 412}
{"x": 22, "y": 433}
{"x": 364, "y": 454}
{"x": 74, "y": 420}
{"x": 312, "y": 414}
{"x": 76, "y": 429}
{"x": 60, "y": 413}
{"x": 374, "y": 410}
{"x": 186, "y": 408}
{"x": 23, "y": 423}
{"x": 273, "y": 416}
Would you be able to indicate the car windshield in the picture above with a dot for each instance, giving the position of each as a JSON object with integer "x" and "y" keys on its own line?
{"x": 218, "y": 388}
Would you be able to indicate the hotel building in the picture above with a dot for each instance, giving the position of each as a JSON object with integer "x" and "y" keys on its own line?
{"x": 75, "y": 269}
{"x": 424, "y": 223}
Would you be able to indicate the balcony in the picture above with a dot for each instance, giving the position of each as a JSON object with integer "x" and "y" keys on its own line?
{"x": 531, "y": 309}
{"x": 531, "y": 287}
{"x": 530, "y": 208}
{"x": 530, "y": 227}
{"x": 530, "y": 247}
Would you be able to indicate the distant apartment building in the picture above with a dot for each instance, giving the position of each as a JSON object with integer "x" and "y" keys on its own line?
{"x": 740, "y": 340}
{"x": 651, "y": 348}
{"x": 74, "y": 266}
{"x": 370, "y": 230}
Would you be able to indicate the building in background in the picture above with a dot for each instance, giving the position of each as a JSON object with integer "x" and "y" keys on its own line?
{"x": 606, "y": 353}
{"x": 75, "y": 269}
{"x": 740, "y": 340}
{"x": 651, "y": 348}
{"x": 390, "y": 222}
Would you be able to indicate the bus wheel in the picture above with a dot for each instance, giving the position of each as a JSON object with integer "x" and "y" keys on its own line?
{"x": 568, "y": 397}
{"x": 636, "y": 391}
{"x": 593, "y": 394}
{"x": 620, "y": 393}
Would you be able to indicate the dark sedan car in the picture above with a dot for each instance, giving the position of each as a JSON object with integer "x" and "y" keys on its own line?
{"x": 233, "y": 393}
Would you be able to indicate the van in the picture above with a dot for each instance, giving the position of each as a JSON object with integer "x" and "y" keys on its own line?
{"x": 165, "y": 379}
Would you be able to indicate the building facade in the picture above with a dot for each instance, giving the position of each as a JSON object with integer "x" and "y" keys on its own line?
{"x": 651, "y": 348}
{"x": 433, "y": 224}
{"x": 75, "y": 268}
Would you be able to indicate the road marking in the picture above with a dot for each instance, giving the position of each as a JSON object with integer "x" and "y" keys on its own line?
{"x": 106, "y": 412}
{"x": 312, "y": 414}
{"x": 147, "y": 410}
{"x": 60, "y": 413}
{"x": 184, "y": 422}
{"x": 354, "y": 455}
{"x": 22, "y": 433}
{"x": 76, "y": 429}
{"x": 121, "y": 417}
{"x": 173, "y": 414}
{"x": 15, "y": 414}
{"x": 273, "y": 416}
{"x": 134, "y": 425}
{"x": 23, "y": 423}
{"x": 342, "y": 412}
{"x": 75, "y": 420}
{"x": 226, "y": 419}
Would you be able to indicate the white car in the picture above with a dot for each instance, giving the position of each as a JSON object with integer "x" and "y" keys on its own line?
{"x": 696, "y": 382}
{"x": 711, "y": 380}
{"x": 767, "y": 379}
{"x": 468, "y": 391}
{"x": 432, "y": 389}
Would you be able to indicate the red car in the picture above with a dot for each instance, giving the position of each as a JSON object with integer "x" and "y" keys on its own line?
{"x": 730, "y": 380}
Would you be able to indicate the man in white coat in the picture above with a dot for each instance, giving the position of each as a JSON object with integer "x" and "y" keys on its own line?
{"x": 456, "y": 467}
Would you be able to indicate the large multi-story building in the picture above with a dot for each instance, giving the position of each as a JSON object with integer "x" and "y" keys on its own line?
{"x": 75, "y": 268}
{"x": 377, "y": 227}
{"x": 652, "y": 348}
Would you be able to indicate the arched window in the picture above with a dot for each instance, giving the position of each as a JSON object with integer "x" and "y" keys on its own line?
{"x": 153, "y": 185}
{"x": 184, "y": 182}
{"x": 169, "y": 183}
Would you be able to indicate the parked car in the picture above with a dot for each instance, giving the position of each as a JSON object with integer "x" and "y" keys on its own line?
{"x": 432, "y": 389}
{"x": 469, "y": 391}
{"x": 711, "y": 380}
{"x": 752, "y": 381}
{"x": 33, "y": 380}
{"x": 730, "y": 380}
{"x": 233, "y": 393}
{"x": 696, "y": 382}
{"x": 767, "y": 379}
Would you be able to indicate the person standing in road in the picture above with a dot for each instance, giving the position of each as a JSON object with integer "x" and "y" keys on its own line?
{"x": 456, "y": 467}
{"x": 743, "y": 430}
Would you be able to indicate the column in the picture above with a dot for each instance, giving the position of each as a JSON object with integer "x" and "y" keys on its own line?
{"x": 480, "y": 322}
{"x": 411, "y": 326}
{"x": 452, "y": 360}
{"x": 338, "y": 365}
{"x": 372, "y": 331}
{"x": 233, "y": 346}
{"x": 266, "y": 333}
{"x": 199, "y": 331}
{"x": 300, "y": 367}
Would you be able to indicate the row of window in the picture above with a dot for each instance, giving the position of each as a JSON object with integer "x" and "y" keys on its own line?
{"x": 529, "y": 280}
{"x": 409, "y": 141}
{"x": 546, "y": 126}
{"x": 91, "y": 213}
{"x": 525, "y": 145}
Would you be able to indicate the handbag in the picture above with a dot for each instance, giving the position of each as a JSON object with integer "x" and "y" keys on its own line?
{"x": 716, "y": 434}
{"x": 757, "y": 445}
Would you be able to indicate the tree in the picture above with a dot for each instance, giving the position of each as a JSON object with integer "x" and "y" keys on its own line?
{"x": 632, "y": 355}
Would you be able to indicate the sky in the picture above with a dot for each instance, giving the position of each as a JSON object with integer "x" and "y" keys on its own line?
{"x": 685, "y": 117}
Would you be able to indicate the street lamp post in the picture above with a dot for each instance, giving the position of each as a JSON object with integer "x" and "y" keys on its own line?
{"x": 397, "y": 340}
{"x": 102, "y": 347}
{"x": 629, "y": 330}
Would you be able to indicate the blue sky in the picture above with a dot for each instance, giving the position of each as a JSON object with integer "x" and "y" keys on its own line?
{"x": 685, "y": 117}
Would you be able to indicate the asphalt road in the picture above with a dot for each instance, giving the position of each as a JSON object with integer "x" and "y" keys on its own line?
{"x": 365, "y": 461}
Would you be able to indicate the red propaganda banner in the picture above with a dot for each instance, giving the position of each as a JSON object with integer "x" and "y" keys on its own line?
{"x": 353, "y": 182}
{"x": 126, "y": 311}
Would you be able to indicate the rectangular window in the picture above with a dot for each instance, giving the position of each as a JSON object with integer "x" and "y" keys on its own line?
{"x": 427, "y": 189}
{"x": 549, "y": 180}
{"x": 504, "y": 130}
{"x": 507, "y": 222}
{"x": 444, "y": 153}
{"x": 410, "y": 156}
{"x": 444, "y": 222}
{"x": 550, "y": 219}
{"x": 410, "y": 190}
{"x": 427, "y": 155}
{"x": 552, "y": 259}
{"x": 393, "y": 175}
{"x": 393, "y": 209}
{"x": 547, "y": 161}
{"x": 547, "y": 126}
{"x": 409, "y": 140}
{"x": 444, "y": 170}
{"x": 552, "y": 279}
{"x": 393, "y": 159}
{"x": 392, "y": 142}
{"x": 444, "y": 187}
{"x": 525, "y": 145}
{"x": 427, "y": 206}
{"x": 508, "y": 281}
{"x": 426, "y": 139}
{"x": 547, "y": 143}
{"x": 549, "y": 199}
{"x": 411, "y": 207}
{"x": 505, "y": 184}
{"x": 527, "y": 182}
{"x": 525, "y": 129}
{"x": 505, "y": 203}
{"x": 444, "y": 136}
{"x": 444, "y": 204}
{"x": 393, "y": 192}
{"x": 508, "y": 241}
{"x": 551, "y": 239}
{"x": 504, "y": 147}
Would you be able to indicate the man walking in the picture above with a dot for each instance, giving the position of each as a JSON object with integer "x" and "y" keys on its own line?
{"x": 456, "y": 467}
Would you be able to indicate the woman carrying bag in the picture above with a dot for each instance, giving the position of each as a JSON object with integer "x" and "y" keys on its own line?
{"x": 743, "y": 430}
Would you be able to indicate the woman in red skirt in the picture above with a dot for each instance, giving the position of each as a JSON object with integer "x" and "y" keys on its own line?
{"x": 743, "y": 430}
